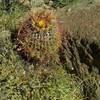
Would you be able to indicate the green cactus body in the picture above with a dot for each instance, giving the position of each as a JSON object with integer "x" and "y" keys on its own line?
{"x": 38, "y": 37}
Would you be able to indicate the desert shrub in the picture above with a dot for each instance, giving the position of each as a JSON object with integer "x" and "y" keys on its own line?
{"x": 10, "y": 6}
{"x": 18, "y": 83}
{"x": 19, "y": 80}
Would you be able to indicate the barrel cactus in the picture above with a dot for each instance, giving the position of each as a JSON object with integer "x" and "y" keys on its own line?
{"x": 39, "y": 37}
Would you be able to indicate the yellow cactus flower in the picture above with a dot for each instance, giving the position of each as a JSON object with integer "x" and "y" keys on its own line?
{"x": 42, "y": 23}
